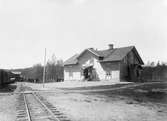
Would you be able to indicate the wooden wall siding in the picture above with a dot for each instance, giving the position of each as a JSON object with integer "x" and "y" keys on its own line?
{"x": 1, "y": 77}
{"x": 108, "y": 66}
{"x": 86, "y": 56}
{"x": 113, "y": 68}
{"x": 75, "y": 70}
{"x": 131, "y": 58}
{"x": 123, "y": 71}
{"x": 100, "y": 68}
{"x": 75, "y": 76}
{"x": 72, "y": 68}
{"x": 118, "y": 70}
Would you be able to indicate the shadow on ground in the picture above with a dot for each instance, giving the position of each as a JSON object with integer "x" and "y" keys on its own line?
{"x": 7, "y": 88}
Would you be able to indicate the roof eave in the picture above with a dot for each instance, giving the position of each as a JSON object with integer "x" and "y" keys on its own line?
{"x": 72, "y": 64}
{"x": 140, "y": 59}
{"x": 96, "y": 54}
{"x": 103, "y": 61}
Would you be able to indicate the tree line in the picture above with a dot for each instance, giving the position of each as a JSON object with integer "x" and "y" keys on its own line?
{"x": 54, "y": 71}
{"x": 154, "y": 72}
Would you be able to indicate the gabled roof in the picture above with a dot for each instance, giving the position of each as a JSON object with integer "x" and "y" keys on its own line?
{"x": 91, "y": 50}
{"x": 118, "y": 54}
{"x": 104, "y": 53}
{"x": 71, "y": 61}
{"x": 109, "y": 55}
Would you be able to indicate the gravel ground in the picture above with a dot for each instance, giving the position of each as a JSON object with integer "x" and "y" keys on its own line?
{"x": 8, "y": 102}
{"x": 7, "y": 108}
{"x": 87, "y": 106}
{"x": 132, "y": 104}
{"x": 70, "y": 84}
{"x": 81, "y": 107}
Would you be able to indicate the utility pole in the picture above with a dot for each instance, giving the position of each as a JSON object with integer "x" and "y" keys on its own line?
{"x": 44, "y": 68}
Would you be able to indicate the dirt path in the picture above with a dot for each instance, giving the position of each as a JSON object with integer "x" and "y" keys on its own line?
{"x": 82, "y": 107}
{"x": 8, "y": 103}
{"x": 106, "y": 104}
{"x": 7, "y": 108}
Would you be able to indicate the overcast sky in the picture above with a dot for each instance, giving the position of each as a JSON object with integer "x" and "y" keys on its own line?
{"x": 66, "y": 27}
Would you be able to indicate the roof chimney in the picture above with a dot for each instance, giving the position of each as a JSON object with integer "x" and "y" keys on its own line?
{"x": 91, "y": 48}
{"x": 111, "y": 46}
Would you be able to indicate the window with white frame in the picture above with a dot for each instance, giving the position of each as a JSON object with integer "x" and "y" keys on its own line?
{"x": 70, "y": 74}
{"x": 108, "y": 75}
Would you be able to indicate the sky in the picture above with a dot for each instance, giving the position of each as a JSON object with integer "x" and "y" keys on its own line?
{"x": 66, "y": 27}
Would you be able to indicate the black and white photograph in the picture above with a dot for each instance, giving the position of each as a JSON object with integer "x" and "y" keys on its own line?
{"x": 83, "y": 60}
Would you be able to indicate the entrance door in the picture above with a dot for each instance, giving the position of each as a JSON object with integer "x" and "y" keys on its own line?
{"x": 87, "y": 72}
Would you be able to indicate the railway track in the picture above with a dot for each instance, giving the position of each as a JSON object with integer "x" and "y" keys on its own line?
{"x": 33, "y": 107}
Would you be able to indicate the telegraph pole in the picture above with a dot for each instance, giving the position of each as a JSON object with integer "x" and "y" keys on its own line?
{"x": 44, "y": 70}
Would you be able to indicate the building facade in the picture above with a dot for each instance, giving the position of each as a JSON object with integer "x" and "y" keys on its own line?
{"x": 112, "y": 64}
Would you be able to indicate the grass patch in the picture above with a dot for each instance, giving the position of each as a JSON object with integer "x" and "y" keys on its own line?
{"x": 144, "y": 93}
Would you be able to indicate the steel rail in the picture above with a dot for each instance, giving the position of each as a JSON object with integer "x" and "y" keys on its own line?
{"x": 27, "y": 108}
{"x": 36, "y": 97}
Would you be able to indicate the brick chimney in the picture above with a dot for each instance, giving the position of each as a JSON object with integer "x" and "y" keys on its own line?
{"x": 111, "y": 46}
